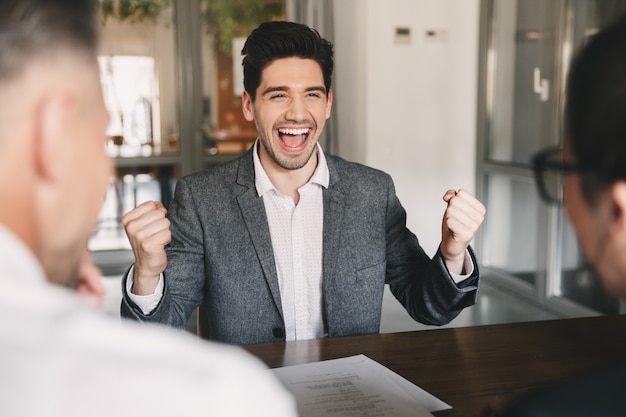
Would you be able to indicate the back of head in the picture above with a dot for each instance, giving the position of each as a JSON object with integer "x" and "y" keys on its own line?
{"x": 276, "y": 40}
{"x": 51, "y": 101}
{"x": 39, "y": 28}
{"x": 596, "y": 108}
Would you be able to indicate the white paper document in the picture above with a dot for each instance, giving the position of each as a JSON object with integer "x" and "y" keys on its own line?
{"x": 355, "y": 386}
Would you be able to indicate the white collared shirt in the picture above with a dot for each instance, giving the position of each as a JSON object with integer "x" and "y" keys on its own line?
{"x": 60, "y": 357}
{"x": 296, "y": 232}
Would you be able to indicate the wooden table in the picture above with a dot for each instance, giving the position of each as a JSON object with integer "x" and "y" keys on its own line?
{"x": 466, "y": 366}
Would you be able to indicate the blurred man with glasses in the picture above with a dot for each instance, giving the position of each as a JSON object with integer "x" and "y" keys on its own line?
{"x": 588, "y": 176}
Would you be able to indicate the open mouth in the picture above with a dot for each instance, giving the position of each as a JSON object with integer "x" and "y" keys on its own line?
{"x": 294, "y": 139}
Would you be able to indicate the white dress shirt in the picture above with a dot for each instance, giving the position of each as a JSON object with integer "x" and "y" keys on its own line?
{"x": 61, "y": 358}
{"x": 296, "y": 232}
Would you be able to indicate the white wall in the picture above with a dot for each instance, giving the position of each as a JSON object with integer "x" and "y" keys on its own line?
{"x": 410, "y": 109}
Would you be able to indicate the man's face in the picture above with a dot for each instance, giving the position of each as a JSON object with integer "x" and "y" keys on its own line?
{"x": 84, "y": 178}
{"x": 290, "y": 110}
{"x": 92, "y": 159}
{"x": 597, "y": 234}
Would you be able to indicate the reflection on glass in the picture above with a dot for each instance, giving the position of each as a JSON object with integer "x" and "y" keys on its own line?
{"x": 511, "y": 232}
{"x": 130, "y": 94}
{"x": 226, "y": 24}
{"x": 522, "y": 78}
{"x": 137, "y": 67}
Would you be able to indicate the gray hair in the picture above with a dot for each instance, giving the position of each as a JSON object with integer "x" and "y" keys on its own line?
{"x": 31, "y": 29}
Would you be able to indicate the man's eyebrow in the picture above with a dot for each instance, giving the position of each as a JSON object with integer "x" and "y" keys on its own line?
{"x": 319, "y": 88}
{"x": 269, "y": 90}
{"x": 274, "y": 90}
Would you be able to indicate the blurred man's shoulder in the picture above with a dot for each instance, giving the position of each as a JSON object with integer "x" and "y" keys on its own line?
{"x": 599, "y": 393}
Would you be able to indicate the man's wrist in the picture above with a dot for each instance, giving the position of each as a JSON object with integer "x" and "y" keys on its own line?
{"x": 144, "y": 284}
{"x": 455, "y": 264}
{"x": 146, "y": 303}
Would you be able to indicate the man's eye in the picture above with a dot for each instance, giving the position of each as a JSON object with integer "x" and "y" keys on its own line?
{"x": 274, "y": 96}
{"x": 317, "y": 96}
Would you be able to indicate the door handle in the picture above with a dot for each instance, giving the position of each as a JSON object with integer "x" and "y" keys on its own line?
{"x": 541, "y": 86}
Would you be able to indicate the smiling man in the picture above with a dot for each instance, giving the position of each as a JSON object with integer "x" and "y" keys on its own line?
{"x": 287, "y": 242}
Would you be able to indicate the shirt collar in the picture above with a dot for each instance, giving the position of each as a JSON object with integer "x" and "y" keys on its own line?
{"x": 321, "y": 176}
{"x": 17, "y": 260}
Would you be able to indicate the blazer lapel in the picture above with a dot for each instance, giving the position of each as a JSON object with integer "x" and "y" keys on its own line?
{"x": 334, "y": 203}
{"x": 255, "y": 218}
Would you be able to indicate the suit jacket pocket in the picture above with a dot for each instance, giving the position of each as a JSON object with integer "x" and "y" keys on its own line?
{"x": 371, "y": 274}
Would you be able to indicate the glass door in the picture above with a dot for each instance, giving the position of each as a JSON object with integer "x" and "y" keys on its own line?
{"x": 526, "y": 246}
{"x": 137, "y": 58}
{"x": 519, "y": 118}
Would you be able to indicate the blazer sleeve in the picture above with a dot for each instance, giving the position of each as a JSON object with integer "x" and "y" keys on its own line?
{"x": 184, "y": 276}
{"x": 422, "y": 285}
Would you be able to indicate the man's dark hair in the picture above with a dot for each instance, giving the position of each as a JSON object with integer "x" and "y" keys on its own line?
{"x": 275, "y": 40}
{"x": 39, "y": 28}
{"x": 595, "y": 116}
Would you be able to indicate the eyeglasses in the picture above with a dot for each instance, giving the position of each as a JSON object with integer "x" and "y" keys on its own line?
{"x": 550, "y": 172}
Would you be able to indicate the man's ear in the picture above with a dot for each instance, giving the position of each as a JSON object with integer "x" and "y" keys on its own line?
{"x": 329, "y": 103}
{"x": 247, "y": 106}
{"x": 52, "y": 145}
{"x": 617, "y": 193}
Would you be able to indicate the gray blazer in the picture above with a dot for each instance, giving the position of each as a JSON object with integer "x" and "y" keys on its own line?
{"x": 221, "y": 255}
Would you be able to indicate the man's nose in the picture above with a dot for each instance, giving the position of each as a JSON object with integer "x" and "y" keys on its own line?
{"x": 296, "y": 111}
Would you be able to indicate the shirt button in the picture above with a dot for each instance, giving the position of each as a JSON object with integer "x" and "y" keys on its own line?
{"x": 278, "y": 332}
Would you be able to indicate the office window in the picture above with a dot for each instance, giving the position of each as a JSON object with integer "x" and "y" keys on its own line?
{"x": 138, "y": 73}
{"x": 131, "y": 97}
{"x": 527, "y": 246}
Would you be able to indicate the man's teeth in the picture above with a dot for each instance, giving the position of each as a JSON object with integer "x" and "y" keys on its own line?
{"x": 303, "y": 131}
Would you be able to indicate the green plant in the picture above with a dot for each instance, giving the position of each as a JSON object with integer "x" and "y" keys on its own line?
{"x": 133, "y": 10}
{"x": 228, "y": 19}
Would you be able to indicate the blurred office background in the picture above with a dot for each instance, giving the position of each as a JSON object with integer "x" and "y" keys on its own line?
{"x": 439, "y": 93}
